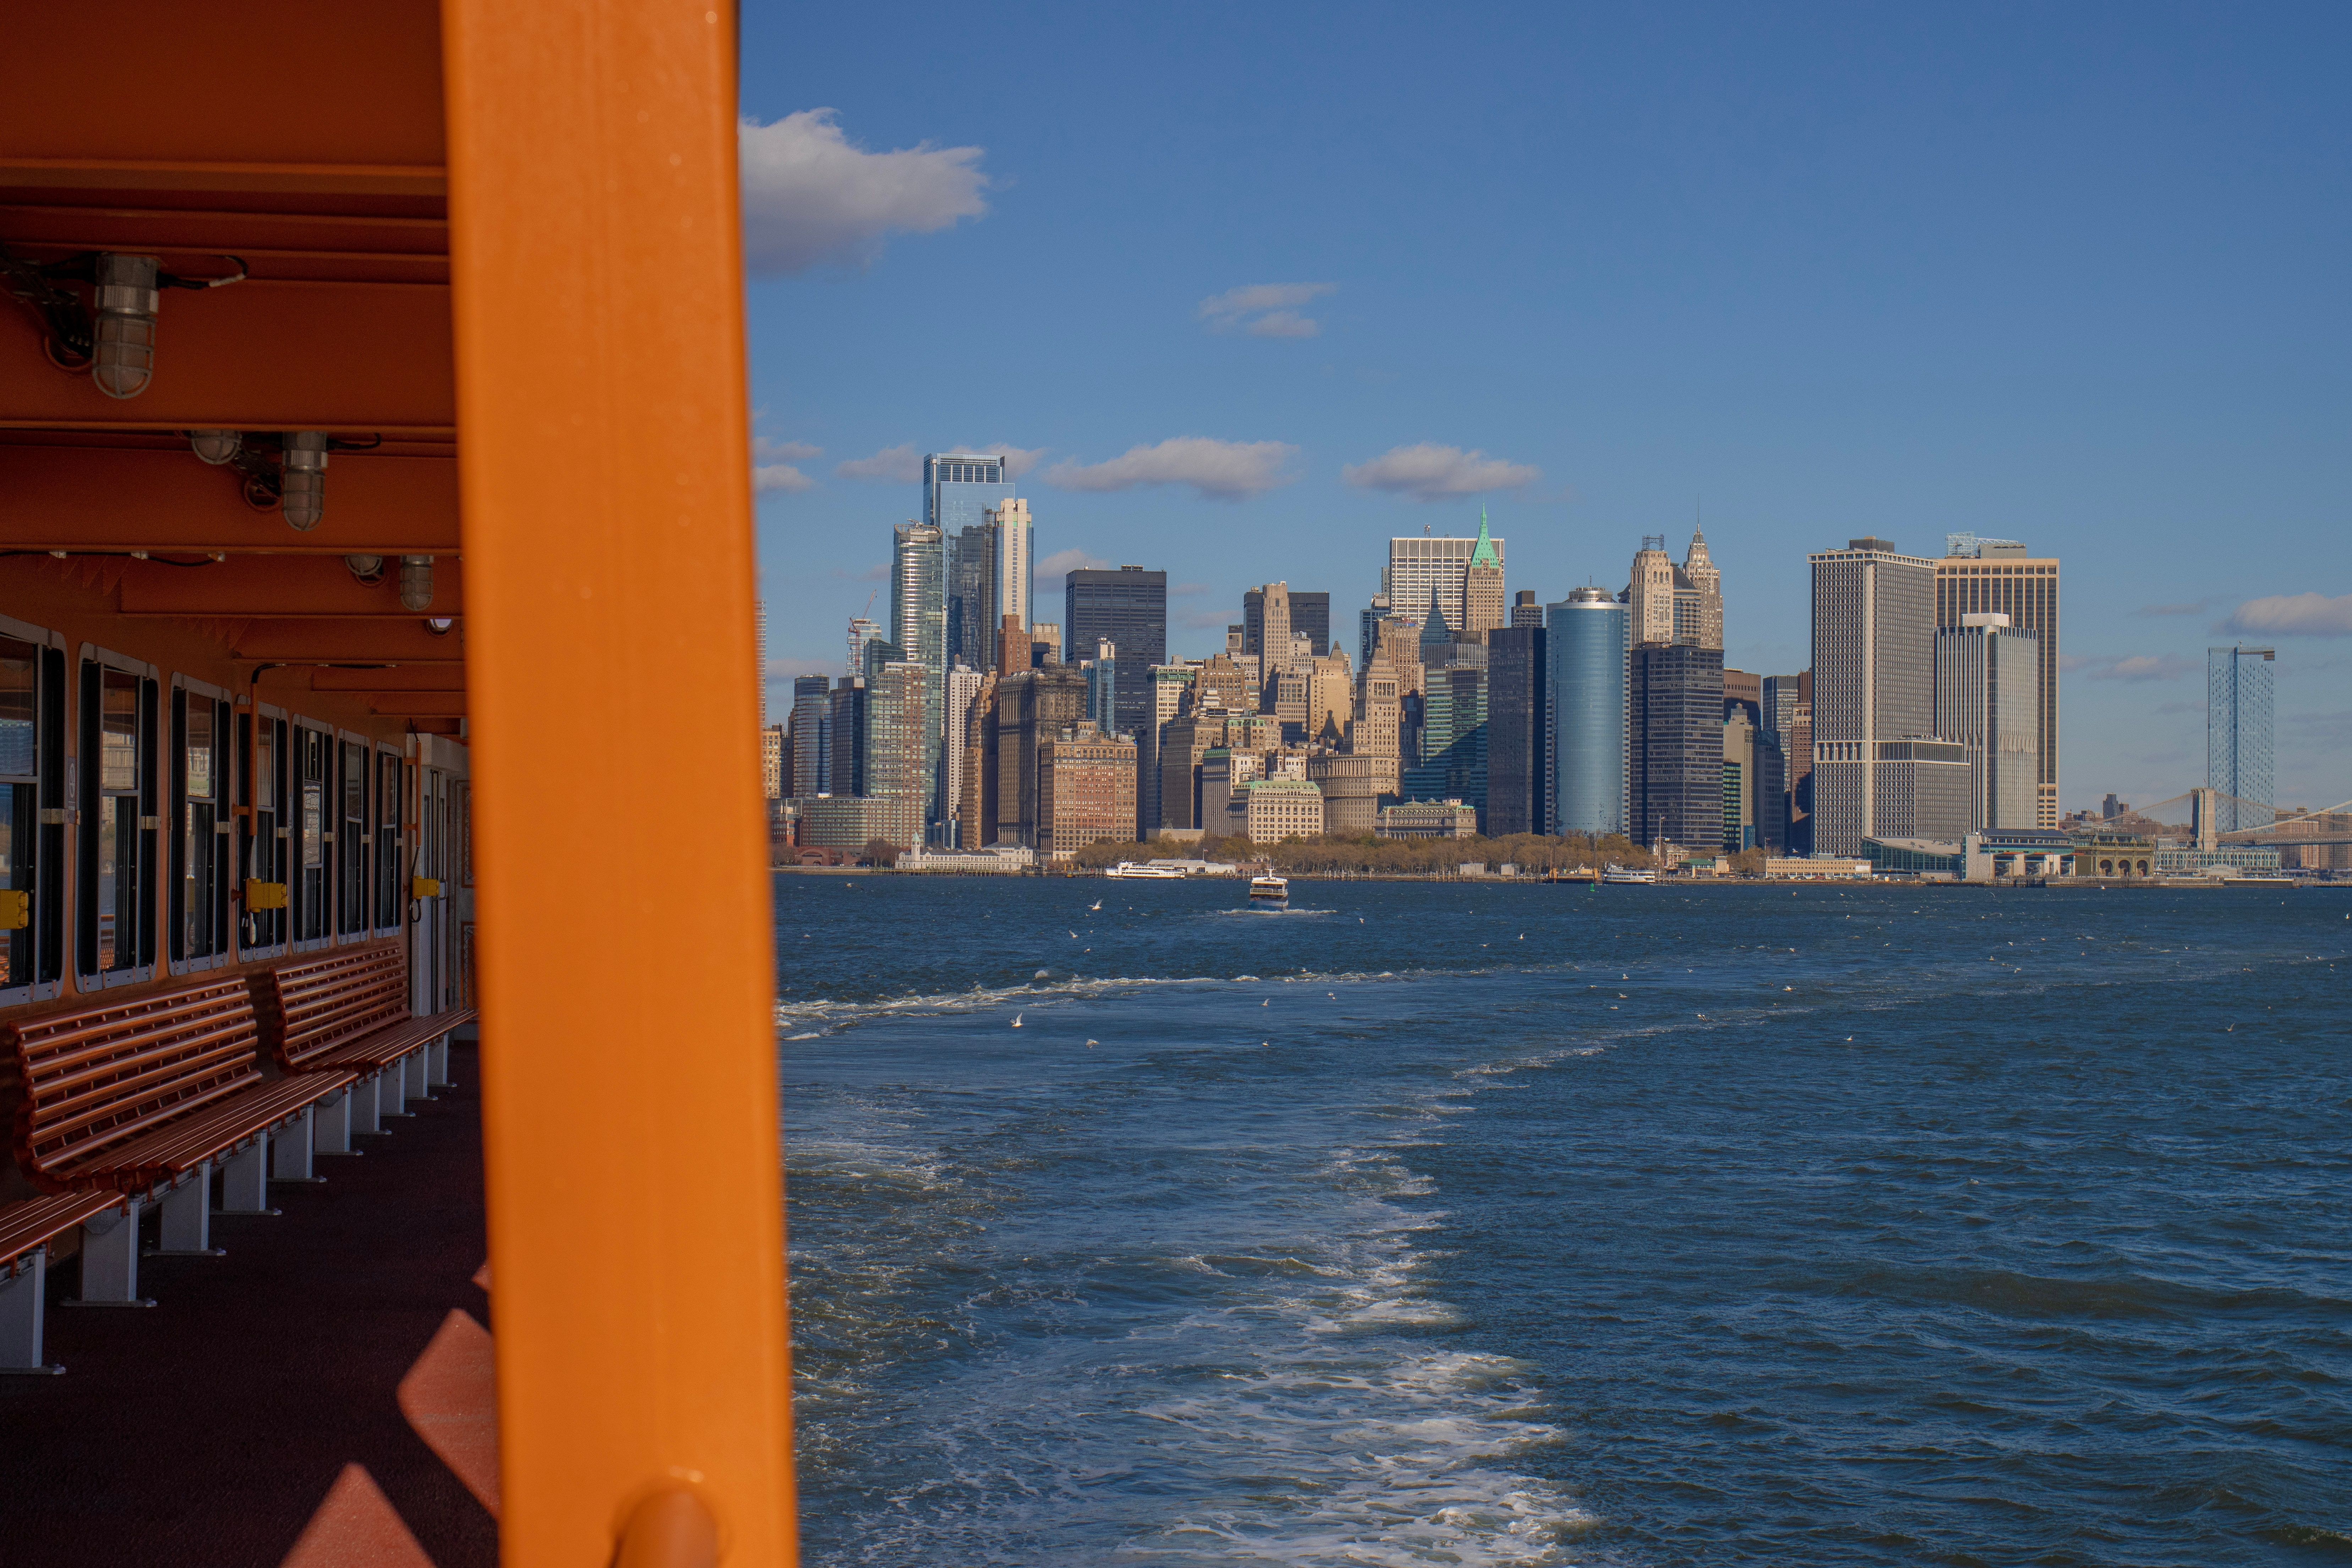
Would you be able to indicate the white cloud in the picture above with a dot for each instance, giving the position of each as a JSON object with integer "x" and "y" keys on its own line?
{"x": 1265, "y": 309}
{"x": 2197, "y": 608}
{"x": 772, "y": 472}
{"x": 1049, "y": 570}
{"x": 1018, "y": 460}
{"x": 812, "y": 195}
{"x": 1431, "y": 472}
{"x": 1219, "y": 471}
{"x": 900, "y": 465}
{"x": 2129, "y": 667}
{"x": 2295, "y": 615}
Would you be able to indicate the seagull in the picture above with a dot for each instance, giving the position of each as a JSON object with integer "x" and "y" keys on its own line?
{"x": 1092, "y": 1043}
{"x": 1016, "y": 1020}
{"x": 1523, "y": 936}
{"x": 1074, "y": 936}
{"x": 1787, "y": 988}
{"x": 1267, "y": 1002}
{"x": 1095, "y": 905}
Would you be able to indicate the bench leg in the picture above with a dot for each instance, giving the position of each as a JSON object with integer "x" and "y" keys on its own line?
{"x": 331, "y": 1133}
{"x": 289, "y": 1149}
{"x": 244, "y": 1179}
{"x": 436, "y": 1065}
{"x": 110, "y": 1259}
{"x": 188, "y": 1216}
{"x": 24, "y": 1301}
{"x": 367, "y": 1103}
{"x": 392, "y": 1090}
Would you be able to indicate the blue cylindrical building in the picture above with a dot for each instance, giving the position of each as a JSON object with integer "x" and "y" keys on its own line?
{"x": 1586, "y": 703}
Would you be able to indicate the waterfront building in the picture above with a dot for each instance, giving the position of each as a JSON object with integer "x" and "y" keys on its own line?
{"x": 1788, "y": 706}
{"x": 1451, "y": 760}
{"x": 836, "y": 821}
{"x": 1224, "y": 770}
{"x": 1482, "y": 587}
{"x": 1282, "y": 808}
{"x": 810, "y": 722}
{"x": 1169, "y": 691}
{"x": 772, "y": 762}
{"x": 1085, "y": 790}
{"x": 1184, "y": 744}
{"x": 1310, "y": 617}
{"x": 1424, "y": 572}
{"x": 2238, "y": 735}
{"x": 1128, "y": 608}
{"x": 1878, "y": 769}
{"x": 2103, "y": 854}
{"x": 1355, "y": 786}
{"x": 1429, "y": 819}
{"x": 1988, "y": 699}
{"x": 1997, "y": 576}
{"x": 1033, "y": 706}
{"x": 1586, "y": 650}
{"x": 846, "y": 725}
{"x": 1675, "y": 746}
{"x": 902, "y": 738}
{"x": 963, "y": 691}
{"x": 2222, "y": 860}
{"x": 1518, "y": 730}
{"x": 1815, "y": 869}
{"x": 1739, "y": 778}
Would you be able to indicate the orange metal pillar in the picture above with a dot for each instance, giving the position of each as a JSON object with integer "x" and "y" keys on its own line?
{"x": 624, "y": 958}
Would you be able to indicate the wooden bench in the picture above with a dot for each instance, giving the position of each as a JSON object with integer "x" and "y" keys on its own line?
{"x": 347, "y": 1012}
{"x": 26, "y": 1228}
{"x": 139, "y": 1097}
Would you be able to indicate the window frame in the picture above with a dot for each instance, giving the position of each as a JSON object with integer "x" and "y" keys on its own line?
{"x": 389, "y": 892}
{"x": 300, "y": 900}
{"x": 146, "y": 922}
{"x": 354, "y": 859}
{"x": 185, "y": 692}
{"x": 249, "y": 839}
{"x": 52, "y": 860}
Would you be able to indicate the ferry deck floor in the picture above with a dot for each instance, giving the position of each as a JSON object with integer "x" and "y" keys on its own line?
{"x": 207, "y": 1430}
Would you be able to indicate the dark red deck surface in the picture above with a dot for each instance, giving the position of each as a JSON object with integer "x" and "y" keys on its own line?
{"x": 205, "y": 1429}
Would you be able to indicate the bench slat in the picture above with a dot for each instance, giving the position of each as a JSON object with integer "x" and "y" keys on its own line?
{"x": 36, "y": 1222}
{"x": 178, "y": 1147}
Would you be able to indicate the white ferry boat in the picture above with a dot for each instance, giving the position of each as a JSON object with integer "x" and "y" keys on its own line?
{"x": 1271, "y": 887}
{"x": 1625, "y": 877}
{"x": 1131, "y": 870}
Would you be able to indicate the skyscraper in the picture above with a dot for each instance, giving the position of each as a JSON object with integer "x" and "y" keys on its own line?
{"x": 1516, "y": 729}
{"x": 1987, "y": 699}
{"x": 960, "y": 487}
{"x": 1368, "y": 628}
{"x": 811, "y": 719}
{"x": 2238, "y": 736}
{"x": 1787, "y": 705}
{"x": 846, "y": 726}
{"x": 1996, "y": 576}
{"x": 1586, "y": 650}
{"x": 988, "y": 577}
{"x": 1879, "y": 770}
{"x": 1265, "y": 625}
{"x": 1033, "y": 706}
{"x": 861, "y": 632}
{"x": 1127, "y": 608}
{"x": 1676, "y": 604}
{"x": 919, "y": 615}
{"x": 964, "y": 686}
{"x": 1674, "y": 700}
{"x": 760, "y": 662}
{"x": 1482, "y": 586}
{"x": 1525, "y": 611}
{"x": 1311, "y": 614}
{"x": 1423, "y": 571}
{"x": 901, "y": 745}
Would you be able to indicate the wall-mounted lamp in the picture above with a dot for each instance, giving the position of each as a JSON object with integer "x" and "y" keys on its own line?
{"x": 439, "y": 625}
{"x": 366, "y": 568}
{"x": 303, "y": 483}
{"x": 417, "y": 581}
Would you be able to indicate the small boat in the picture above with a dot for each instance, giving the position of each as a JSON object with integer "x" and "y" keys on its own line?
{"x": 1131, "y": 870}
{"x": 1626, "y": 876}
{"x": 1271, "y": 887}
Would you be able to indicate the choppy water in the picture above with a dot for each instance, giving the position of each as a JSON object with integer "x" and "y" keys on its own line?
{"x": 1469, "y": 1225}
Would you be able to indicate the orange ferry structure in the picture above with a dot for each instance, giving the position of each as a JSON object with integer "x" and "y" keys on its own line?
{"x": 377, "y": 678}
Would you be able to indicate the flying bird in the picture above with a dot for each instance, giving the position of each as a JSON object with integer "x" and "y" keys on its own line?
{"x": 1094, "y": 1042}
{"x": 1074, "y": 936}
{"x": 1016, "y": 1020}
{"x": 1095, "y": 905}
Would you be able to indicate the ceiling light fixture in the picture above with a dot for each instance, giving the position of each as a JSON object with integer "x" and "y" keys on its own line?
{"x": 366, "y": 568}
{"x": 113, "y": 335}
{"x": 216, "y": 447}
{"x": 439, "y": 625}
{"x": 302, "y": 479}
{"x": 417, "y": 581}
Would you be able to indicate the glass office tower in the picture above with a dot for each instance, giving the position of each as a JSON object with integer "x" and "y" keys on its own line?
{"x": 1585, "y": 650}
{"x": 919, "y": 615}
{"x": 2238, "y": 735}
{"x": 968, "y": 497}
{"x": 1127, "y": 608}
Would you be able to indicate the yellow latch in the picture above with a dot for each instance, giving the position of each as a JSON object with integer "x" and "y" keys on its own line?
{"x": 16, "y": 908}
{"x": 424, "y": 887}
{"x": 265, "y": 895}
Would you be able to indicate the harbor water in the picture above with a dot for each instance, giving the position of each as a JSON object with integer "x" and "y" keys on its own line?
{"x": 1475, "y": 1224}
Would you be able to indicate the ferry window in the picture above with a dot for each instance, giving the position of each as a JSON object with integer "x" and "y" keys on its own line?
{"x": 200, "y": 872}
{"x": 261, "y": 851}
{"x": 32, "y": 815}
{"x": 392, "y": 892}
{"x": 313, "y": 835}
{"x": 352, "y": 838}
{"x": 119, "y": 822}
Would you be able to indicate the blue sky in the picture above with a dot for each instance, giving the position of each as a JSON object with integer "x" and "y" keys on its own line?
{"x": 2070, "y": 275}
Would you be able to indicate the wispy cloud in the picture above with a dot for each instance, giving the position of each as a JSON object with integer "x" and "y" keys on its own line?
{"x": 1186, "y": 590}
{"x": 1265, "y": 309}
{"x": 1219, "y": 471}
{"x": 812, "y": 195}
{"x": 878, "y": 572}
{"x": 900, "y": 465}
{"x": 2294, "y": 615}
{"x": 1053, "y": 566}
{"x": 772, "y": 472}
{"x": 1430, "y": 472}
{"x": 2129, "y": 667}
{"x": 1018, "y": 460}
{"x": 2197, "y": 608}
